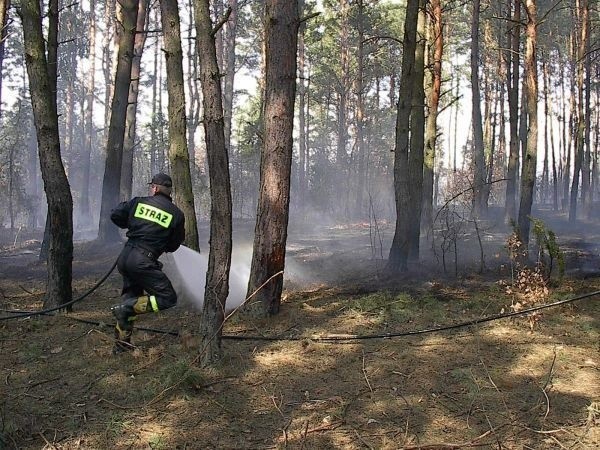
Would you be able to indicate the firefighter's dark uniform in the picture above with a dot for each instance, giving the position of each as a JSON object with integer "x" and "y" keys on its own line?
{"x": 155, "y": 225}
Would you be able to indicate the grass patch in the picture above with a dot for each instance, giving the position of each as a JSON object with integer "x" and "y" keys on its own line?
{"x": 181, "y": 374}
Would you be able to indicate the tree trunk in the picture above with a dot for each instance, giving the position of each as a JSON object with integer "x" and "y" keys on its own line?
{"x": 549, "y": 116}
{"x": 193, "y": 115}
{"x": 512, "y": 82}
{"x": 85, "y": 215}
{"x": 341, "y": 181}
{"x": 4, "y": 8}
{"x": 398, "y": 257}
{"x": 178, "y": 150}
{"x": 570, "y": 126}
{"x": 229, "y": 36}
{"x": 417, "y": 136}
{"x": 431, "y": 127}
{"x": 219, "y": 257}
{"x": 586, "y": 192}
{"x": 132, "y": 102}
{"x": 530, "y": 160}
{"x": 56, "y": 185}
{"x": 156, "y": 112}
{"x": 302, "y": 116}
{"x": 361, "y": 174}
{"x": 107, "y": 60}
{"x": 52, "y": 65}
{"x": 479, "y": 205}
{"x": 578, "y": 162}
{"x": 544, "y": 188}
{"x": 107, "y": 232}
{"x": 270, "y": 236}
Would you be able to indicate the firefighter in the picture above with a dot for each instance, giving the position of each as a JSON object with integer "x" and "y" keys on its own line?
{"x": 154, "y": 226}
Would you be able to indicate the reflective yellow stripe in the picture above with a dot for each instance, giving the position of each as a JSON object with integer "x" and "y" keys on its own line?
{"x": 153, "y": 214}
{"x": 153, "y": 303}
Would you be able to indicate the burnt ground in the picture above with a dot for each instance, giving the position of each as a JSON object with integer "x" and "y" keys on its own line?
{"x": 519, "y": 383}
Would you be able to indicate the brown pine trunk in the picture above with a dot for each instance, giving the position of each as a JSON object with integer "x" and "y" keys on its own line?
{"x": 578, "y": 162}
{"x": 586, "y": 192}
{"x": 56, "y": 185}
{"x": 553, "y": 151}
{"x": 512, "y": 82}
{"x": 107, "y": 232}
{"x": 193, "y": 115}
{"x": 530, "y": 160}
{"x": 302, "y": 116}
{"x": 544, "y": 188}
{"x": 398, "y": 257}
{"x": 479, "y": 205}
{"x": 4, "y": 7}
{"x": 178, "y": 150}
{"x": 85, "y": 215}
{"x": 219, "y": 257}
{"x": 229, "y": 36}
{"x": 431, "y": 127}
{"x": 131, "y": 117}
{"x": 417, "y": 141}
{"x": 270, "y": 235}
{"x": 341, "y": 183}
{"x": 52, "y": 65}
{"x": 361, "y": 174}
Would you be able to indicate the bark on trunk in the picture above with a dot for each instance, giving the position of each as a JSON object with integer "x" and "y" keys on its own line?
{"x": 56, "y": 185}
{"x": 578, "y": 163}
{"x": 4, "y": 7}
{"x": 229, "y": 36}
{"x": 85, "y": 215}
{"x": 270, "y": 236}
{"x": 107, "y": 232}
{"x": 479, "y": 205}
{"x": 219, "y": 256}
{"x": 361, "y": 172}
{"x": 512, "y": 173}
{"x": 434, "y": 100}
{"x": 398, "y": 257}
{"x": 530, "y": 160}
{"x": 417, "y": 136}
{"x": 131, "y": 116}
{"x": 178, "y": 150}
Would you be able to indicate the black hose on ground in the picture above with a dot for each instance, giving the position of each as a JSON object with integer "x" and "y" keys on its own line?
{"x": 355, "y": 337}
{"x": 20, "y": 313}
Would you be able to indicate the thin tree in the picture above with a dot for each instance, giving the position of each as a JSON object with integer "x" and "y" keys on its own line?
{"x": 270, "y": 235}
{"x": 530, "y": 160}
{"x": 132, "y": 102}
{"x": 128, "y": 11}
{"x": 417, "y": 136}
{"x": 52, "y": 64}
{"x": 219, "y": 257}
{"x": 178, "y": 150}
{"x": 361, "y": 171}
{"x": 56, "y": 185}
{"x": 437, "y": 39}
{"x": 578, "y": 163}
{"x": 84, "y": 205}
{"x": 229, "y": 44}
{"x": 479, "y": 173}
{"x": 398, "y": 257}
{"x": 4, "y": 7}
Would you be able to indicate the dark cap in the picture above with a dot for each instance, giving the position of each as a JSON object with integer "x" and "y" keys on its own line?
{"x": 162, "y": 179}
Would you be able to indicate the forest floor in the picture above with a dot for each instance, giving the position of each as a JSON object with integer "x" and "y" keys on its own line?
{"x": 527, "y": 382}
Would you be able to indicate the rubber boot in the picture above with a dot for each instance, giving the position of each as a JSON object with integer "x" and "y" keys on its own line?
{"x": 126, "y": 313}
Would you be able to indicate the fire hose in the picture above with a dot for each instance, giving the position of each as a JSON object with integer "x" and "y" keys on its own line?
{"x": 318, "y": 338}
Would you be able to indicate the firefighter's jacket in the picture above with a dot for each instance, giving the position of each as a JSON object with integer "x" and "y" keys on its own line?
{"x": 154, "y": 223}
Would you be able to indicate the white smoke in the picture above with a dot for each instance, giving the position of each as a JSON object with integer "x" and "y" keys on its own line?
{"x": 187, "y": 271}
